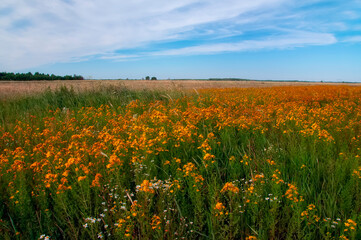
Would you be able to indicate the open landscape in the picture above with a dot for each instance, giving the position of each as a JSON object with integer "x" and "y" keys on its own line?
{"x": 206, "y": 162}
{"x": 10, "y": 89}
{"x": 195, "y": 119}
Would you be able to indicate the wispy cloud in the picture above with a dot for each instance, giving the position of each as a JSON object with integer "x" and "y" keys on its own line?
{"x": 281, "y": 42}
{"x": 290, "y": 40}
{"x": 35, "y": 32}
{"x": 352, "y": 39}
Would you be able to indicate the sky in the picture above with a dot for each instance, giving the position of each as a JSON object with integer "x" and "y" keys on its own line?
{"x": 312, "y": 40}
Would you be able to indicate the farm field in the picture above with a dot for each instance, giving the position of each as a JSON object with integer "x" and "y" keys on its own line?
{"x": 265, "y": 161}
{"x": 11, "y": 89}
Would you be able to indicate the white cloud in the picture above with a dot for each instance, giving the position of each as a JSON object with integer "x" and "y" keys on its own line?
{"x": 352, "y": 39}
{"x": 351, "y": 14}
{"x": 290, "y": 40}
{"x": 36, "y": 32}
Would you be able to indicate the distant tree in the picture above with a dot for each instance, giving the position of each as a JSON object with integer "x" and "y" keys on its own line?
{"x": 153, "y": 78}
{"x": 4, "y": 76}
{"x": 78, "y": 77}
{"x": 147, "y": 78}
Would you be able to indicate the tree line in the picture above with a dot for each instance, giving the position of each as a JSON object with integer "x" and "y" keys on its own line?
{"x": 10, "y": 76}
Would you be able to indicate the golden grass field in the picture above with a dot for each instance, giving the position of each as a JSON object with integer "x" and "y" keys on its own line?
{"x": 14, "y": 89}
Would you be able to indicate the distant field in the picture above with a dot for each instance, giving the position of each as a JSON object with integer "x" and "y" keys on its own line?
{"x": 12, "y": 89}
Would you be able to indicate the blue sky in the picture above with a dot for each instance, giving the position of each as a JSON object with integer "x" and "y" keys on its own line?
{"x": 256, "y": 39}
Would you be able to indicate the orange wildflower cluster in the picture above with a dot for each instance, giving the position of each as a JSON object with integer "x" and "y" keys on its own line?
{"x": 75, "y": 142}
{"x": 357, "y": 172}
{"x": 80, "y": 151}
{"x": 245, "y": 159}
{"x": 292, "y": 193}
{"x": 259, "y": 178}
{"x": 251, "y": 238}
{"x": 229, "y": 186}
{"x": 220, "y": 209}
{"x": 271, "y": 162}
{"x": 310, "y": 214}
{"x": 146, "y": 186}
{"x": 190, "y": 169}
{"x": 156, "y": 222}
{"x": 96, "y": 181}
{"x": 350, "y": 225}
{"x": 206, "y": 148}
{"x": 276, "y": 177}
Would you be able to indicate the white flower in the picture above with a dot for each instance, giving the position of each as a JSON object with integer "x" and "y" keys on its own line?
{"x": 85, "y": 225}
{"x": 42, "y": 236}
{"x": 92, "y": 220}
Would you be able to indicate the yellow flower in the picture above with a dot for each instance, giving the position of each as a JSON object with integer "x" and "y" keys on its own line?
{"x": 208, "y": 156}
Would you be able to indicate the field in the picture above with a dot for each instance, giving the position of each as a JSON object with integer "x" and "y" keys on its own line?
{"x": 120, "y": 162}
{"x": 12, "y": 89}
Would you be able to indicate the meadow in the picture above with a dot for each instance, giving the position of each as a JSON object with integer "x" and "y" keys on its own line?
{"x": 14, "y": 89}
{"x": 235, "y": 163}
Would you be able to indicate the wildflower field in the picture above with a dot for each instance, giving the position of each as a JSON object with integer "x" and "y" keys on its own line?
{"x": 255, "y": 163}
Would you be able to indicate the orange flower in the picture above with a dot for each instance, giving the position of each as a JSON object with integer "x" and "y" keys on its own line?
{"x": 146, "y": 186}
{"x": 156, "y": 222}
{"x": 230, "y": 187}
{"x": 96, "y": 181}
{"x": 81, "y": 178}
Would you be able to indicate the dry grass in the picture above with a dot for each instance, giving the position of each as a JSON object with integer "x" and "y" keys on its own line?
{"x": 12, "y": 89}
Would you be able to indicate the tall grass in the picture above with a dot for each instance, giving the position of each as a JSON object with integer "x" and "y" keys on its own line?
{"x": 67, "y": 98}
{"x": 275, "y": 163}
